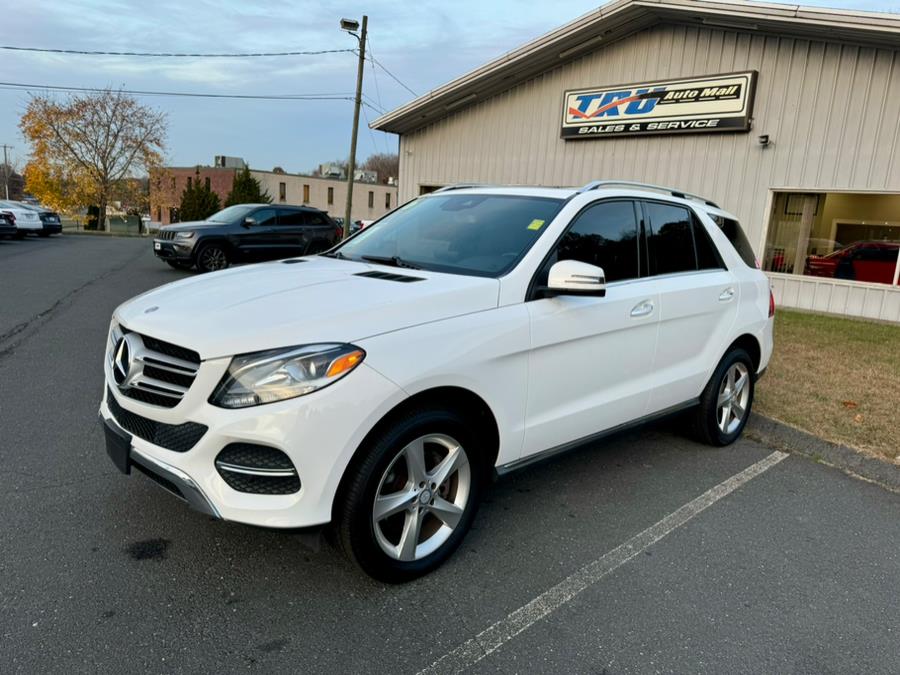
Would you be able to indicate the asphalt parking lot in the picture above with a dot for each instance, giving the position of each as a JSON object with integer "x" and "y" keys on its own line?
{"x": 645, "y": 554}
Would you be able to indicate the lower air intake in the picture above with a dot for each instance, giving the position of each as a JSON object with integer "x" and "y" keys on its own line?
{"x": 257, "y": 469}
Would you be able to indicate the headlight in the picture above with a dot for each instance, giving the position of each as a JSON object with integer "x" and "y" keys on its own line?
{"x": 279, "y": 374}
{"x": 184, "y": 235}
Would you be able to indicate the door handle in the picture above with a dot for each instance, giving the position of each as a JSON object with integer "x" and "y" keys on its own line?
{"x": 726, "y": 295}
{"x": 642, "y": 309}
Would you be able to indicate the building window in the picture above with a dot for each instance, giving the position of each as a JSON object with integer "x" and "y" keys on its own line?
{"x": 851, "y": 237}
{"x": 387, "y": 200}
{"x": 282, "y": 192}
{"x": 173, "y": 182}
{"x": 306, "y": 194}
{"x": 371, "y": 199}
{"x": 331, "y": 195}
{"x": 158, "y": 214}
{"x": 206, "y": 182}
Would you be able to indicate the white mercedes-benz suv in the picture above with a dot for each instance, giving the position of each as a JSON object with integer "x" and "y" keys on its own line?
{"x": 381, "y": 385}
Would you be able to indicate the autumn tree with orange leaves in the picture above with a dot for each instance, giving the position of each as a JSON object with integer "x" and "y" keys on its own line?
{"x": 86, "y": 146}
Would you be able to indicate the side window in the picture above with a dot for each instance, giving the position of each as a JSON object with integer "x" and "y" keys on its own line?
{"x": 605, "y": 235}
{"x": 314, "y": 218}
{"x": 290, "y": 217}
{"x": 708, "y": 257}
{"x": 732, "y": 229}
{"x": 670, "y": 239}
{"x": 265, "y": 217}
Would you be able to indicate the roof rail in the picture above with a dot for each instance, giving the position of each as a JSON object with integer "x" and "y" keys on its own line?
{"x": 596, "y": 184}
{"x": 461, "y": 186}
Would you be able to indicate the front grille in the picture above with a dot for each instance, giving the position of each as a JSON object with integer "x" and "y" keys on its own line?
{"x": 174, "y": 437}
{"x": 257, "y": 469}
{"x": 166, "y": 234}
{"x": 159, "y": 373}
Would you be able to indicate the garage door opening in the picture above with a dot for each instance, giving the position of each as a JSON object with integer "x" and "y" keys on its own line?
{"x": 847, "y": 236}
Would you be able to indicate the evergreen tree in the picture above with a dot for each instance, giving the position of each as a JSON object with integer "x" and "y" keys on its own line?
{"x": 246, "y": 190}
{"x": 198, "y": 202}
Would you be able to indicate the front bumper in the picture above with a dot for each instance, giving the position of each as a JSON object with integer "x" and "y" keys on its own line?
{"x": 171, "y": 479}
{"x": 319, "y": 433}
{"x": 169, "y": 249}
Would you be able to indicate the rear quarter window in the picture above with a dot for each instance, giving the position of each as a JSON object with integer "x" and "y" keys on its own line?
{"x": 735, "y": 234}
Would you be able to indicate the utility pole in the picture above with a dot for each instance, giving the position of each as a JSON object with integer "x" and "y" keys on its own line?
{"x": 351, "y": 165}
{"x": 6, "y": 169}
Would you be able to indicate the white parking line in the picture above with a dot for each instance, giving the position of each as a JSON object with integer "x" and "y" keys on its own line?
{"x": 492, "y": 638}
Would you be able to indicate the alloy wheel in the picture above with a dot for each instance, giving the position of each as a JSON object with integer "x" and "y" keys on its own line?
{"x": 213, "y": 259}
{"x": 734, "y": 396}
{"x": 421, "y": 497}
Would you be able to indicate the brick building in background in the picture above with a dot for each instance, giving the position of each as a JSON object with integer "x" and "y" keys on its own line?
{"x": 370, "y": 200}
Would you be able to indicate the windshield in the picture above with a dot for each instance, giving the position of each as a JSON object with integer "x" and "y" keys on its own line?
{"x": 474, "y": 234}
{"x": 231, "y": 213}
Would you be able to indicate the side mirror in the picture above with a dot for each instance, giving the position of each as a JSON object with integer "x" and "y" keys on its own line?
{"x": 249, "y": 221}
{"x": 572, "y": 277}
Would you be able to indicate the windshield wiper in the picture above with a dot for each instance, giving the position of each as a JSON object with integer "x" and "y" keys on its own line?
{"x": 393, "y": 261}
{"x": 336, "y": 254}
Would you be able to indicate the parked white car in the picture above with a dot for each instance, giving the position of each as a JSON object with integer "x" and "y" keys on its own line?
{"x": 28, "y": 220}
{"x": 379, "y": 386}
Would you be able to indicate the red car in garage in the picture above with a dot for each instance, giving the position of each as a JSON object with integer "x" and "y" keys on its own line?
{"x": 872, "y": 261}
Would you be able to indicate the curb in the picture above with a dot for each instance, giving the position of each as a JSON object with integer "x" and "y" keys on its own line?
{"x": 790, "y": 439}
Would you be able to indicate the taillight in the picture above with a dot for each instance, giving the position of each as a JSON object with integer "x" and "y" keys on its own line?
{"x": 771, "y": 303}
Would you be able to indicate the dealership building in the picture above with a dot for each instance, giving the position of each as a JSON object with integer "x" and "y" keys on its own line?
{"x": 787, "y": 116}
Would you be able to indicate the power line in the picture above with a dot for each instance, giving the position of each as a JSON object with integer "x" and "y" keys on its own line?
{"x": 221, "y": 55}
{"x": 139, "y": 92}
{"x": 374, "y": 71}
{"x": 393, "y": 77}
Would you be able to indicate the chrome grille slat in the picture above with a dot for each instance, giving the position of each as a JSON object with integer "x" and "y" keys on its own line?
{"x": 159, "y": 387}
{"x": 170, "y": 363}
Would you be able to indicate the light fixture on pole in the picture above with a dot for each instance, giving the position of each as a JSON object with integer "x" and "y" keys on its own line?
{"x": 351, "y": 26}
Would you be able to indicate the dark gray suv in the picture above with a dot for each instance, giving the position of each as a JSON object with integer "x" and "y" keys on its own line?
{"x": 246, "y": 233}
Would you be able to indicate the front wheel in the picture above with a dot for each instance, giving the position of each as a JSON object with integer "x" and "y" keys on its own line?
{"x": 726, "y": 401}
{"x": 212, "y": 257}
{"x": 410, "y": 501}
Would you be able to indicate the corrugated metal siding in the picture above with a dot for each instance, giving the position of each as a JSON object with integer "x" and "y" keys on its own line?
{"x": 871, "y": 301}
{"x": 832, "y": 112}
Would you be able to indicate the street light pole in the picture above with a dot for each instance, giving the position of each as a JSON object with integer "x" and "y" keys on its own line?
{"x": 351, "y": 165}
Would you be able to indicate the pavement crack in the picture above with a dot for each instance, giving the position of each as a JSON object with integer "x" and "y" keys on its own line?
{"x": 13, "y": 337}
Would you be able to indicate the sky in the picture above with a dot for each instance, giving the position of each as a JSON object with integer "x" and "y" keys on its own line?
{"x": 424, "y": 43}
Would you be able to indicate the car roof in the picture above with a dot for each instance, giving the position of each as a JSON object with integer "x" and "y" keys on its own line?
{"x": 564, "y": 193}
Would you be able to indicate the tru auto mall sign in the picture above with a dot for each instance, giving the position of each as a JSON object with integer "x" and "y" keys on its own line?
{"x": 697, "y": 105}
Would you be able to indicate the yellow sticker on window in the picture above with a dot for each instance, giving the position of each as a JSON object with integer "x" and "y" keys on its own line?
{"x": 536, "y": 224}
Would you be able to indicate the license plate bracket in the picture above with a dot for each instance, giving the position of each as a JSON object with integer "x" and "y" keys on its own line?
{"x": 118, "y": 446}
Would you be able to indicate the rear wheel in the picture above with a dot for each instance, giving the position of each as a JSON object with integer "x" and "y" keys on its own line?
{"x": 212, "y": 257}
{"x": 726, "y": 401}
{"x": 409, "y": 502}
{"x": 20, "y": 234}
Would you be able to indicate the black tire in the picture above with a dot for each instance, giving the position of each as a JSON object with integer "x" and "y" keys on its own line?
{"x": 316, "y": 246}
{"x": 353, "y": 527}
{"x": 705, "y": 418}
{"x": 43, "y": 234}
{"x": 212, "y": 257}
{"x": 20, "y": 235}
{"x": 178, "y": 265}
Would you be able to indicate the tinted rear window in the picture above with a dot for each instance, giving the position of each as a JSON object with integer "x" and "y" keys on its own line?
{"x": 670, "y": 238}
{"x": 732, "y": 229}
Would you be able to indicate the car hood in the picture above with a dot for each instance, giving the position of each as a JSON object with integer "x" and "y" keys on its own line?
{"x": 191, "y": 225}
{"x": 319, "y": 299}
